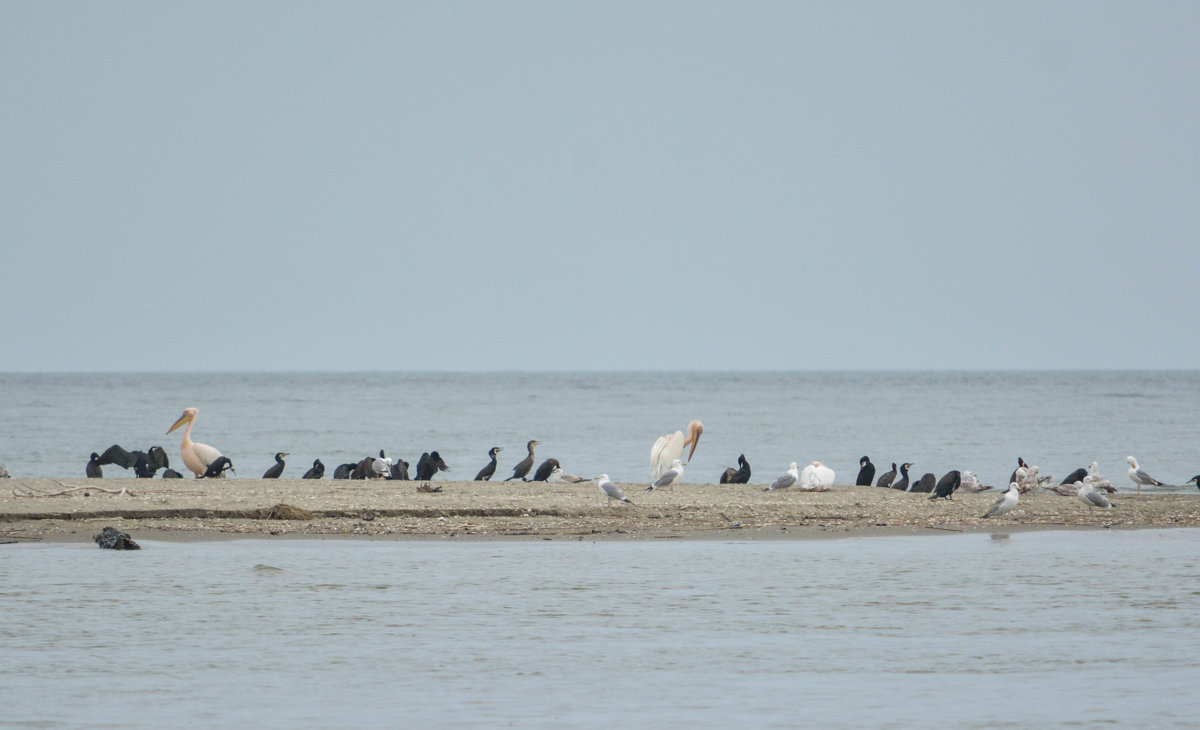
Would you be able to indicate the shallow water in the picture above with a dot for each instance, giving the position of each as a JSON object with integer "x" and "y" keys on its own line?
{"x": 606, "y": 422}
{"x": 1028, "y": 629}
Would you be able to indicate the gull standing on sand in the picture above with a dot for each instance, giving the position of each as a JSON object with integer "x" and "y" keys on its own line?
{"x": 787, "y": 480}
{"x": 669, "y": 477}
{"x": 1007, "y": 502}
{"x": 1092, "y": 498}
{"x": 670, "y": 447}
{"x": 610, "y": 490}
{"x": 1139, "y": 476}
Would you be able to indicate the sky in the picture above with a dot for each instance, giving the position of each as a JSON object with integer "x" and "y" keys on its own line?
{"x": 476, "y": 186}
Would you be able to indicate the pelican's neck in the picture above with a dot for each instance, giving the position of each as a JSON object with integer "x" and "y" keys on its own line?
{"x": 187, "y": 433}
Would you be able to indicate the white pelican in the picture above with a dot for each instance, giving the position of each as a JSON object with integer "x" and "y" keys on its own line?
{"x": 196, "y": 456}
{"x": 787, "y": 480}
{"x": 1139, "y": 476}
{"x": 669, "y": 448}
{"x": 1091, "y": 497}
{"x": 669, "y": 477}
{"x": 1007, "y": 502}
{"x": 816, "y": 475}
{"x": 610, "y": 490}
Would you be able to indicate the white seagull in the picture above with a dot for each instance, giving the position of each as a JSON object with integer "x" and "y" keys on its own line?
{"x": 670, "y": 447}
{"x": 558, "y": 476}
{"x": 669, "y": 477}
{"x": 1139, "y": 476}
{"x": 610, "y": 490}
{"x": 970, "y": 483}
{"x": 1007, "y": 502}
{"x": 1092, "y": 498}
{"x": 787, "y": 480}
{"x": 1099, "y": 481}
{"x": 816, "y": 476}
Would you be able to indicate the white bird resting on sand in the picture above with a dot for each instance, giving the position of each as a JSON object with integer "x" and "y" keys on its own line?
{"x": 791, "y": 478}
{"x": 971, "y": 483}
{"x": 1099, "y": 481}
{"x": 610, "y": 490}
{"x": 1087, "y": 492}
{"x": 1139, "y": 477}
{"x": 816, "y": 476}
{"x": 669, "y": 477}
{"x": 670, "y": 447}
{"x": 558, "y": 476}
{"x": 1007, "y": 502}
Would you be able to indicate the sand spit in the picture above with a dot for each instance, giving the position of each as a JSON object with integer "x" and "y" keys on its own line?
{"x": 69, "y": 509}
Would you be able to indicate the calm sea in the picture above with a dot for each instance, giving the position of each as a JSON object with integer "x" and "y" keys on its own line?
{"x": 606, "y": 422}
{"x": 1032, "y": 629}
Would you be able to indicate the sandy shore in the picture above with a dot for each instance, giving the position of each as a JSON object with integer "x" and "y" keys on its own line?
{"x": 75, "y": 509}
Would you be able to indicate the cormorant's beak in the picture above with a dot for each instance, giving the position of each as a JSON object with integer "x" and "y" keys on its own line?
{"x": 182, "y": 419}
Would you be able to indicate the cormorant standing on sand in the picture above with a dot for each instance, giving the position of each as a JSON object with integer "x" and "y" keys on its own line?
{"x": 486, "y": 472}
{"x": 524, "y": 465}
{"x": 866, "y": 474}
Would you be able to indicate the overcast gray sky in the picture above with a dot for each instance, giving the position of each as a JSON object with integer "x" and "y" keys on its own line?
{"x": 599, "y": 185}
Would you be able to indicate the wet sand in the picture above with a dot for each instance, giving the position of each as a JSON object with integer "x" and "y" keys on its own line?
{"x": 75, "y": 509}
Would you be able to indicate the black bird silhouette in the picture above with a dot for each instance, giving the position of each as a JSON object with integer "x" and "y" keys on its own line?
{"x": 947, "y": 484}
{"x": 545, "y": 469}
{"x": 399, "y": 470}
{"x": 93, "y": 467}
{"x": 276, "y": 469}
{"x": 524, "y": 465}
{"x": 866, "y": 474}
{"x": 887, "y": 478}
{"x": 316, "y": 472}
{"x": 343, "y": 471}
{"x": 171, "y": 474}
{"x": 925, "y": 483}
{"x": 486, "y": 473}
{"x": 430, "y": 464}
{"x": 1075, "y": 476}
{"x": 902, "y": 485}
{"x": 217, "y": 467}
{"x": 740, "y": 475}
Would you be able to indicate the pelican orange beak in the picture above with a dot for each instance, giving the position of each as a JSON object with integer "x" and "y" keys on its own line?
{"x": 182, "y": 420}
{"x": 695, "y": 428}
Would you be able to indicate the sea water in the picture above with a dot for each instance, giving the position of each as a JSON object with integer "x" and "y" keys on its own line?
{"x": 1028, "y": 629}
{"x": 607, "y": 422}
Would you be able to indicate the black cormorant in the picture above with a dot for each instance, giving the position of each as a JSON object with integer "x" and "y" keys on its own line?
{"x": 276, "y": 469}
{"x": 524, "y": 466}
{"x": 866, "y": 473}
{"x": 487, "y": 471}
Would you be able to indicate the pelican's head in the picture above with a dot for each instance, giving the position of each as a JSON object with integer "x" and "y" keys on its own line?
{"x": 695, "y": 428}
{"x": 816, "y": 464}
{"x": 189, "y": 414}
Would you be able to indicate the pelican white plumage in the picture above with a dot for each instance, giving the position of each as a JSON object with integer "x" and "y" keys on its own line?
{"x": 1006, "y": 503}
{"x": 787, "y": 480}
{"x": 1092, "y": 498}
{"x": 1139, "y": 476}
{"x": 816, "y": 476}
{"x": 670, "y": 447}
{"x": 196, "y": 456}
{"x": 669, "y": 477}
{"x": 610, "y": 490}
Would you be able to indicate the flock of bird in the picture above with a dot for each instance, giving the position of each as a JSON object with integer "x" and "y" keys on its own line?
{"x": 666, "y": 462}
